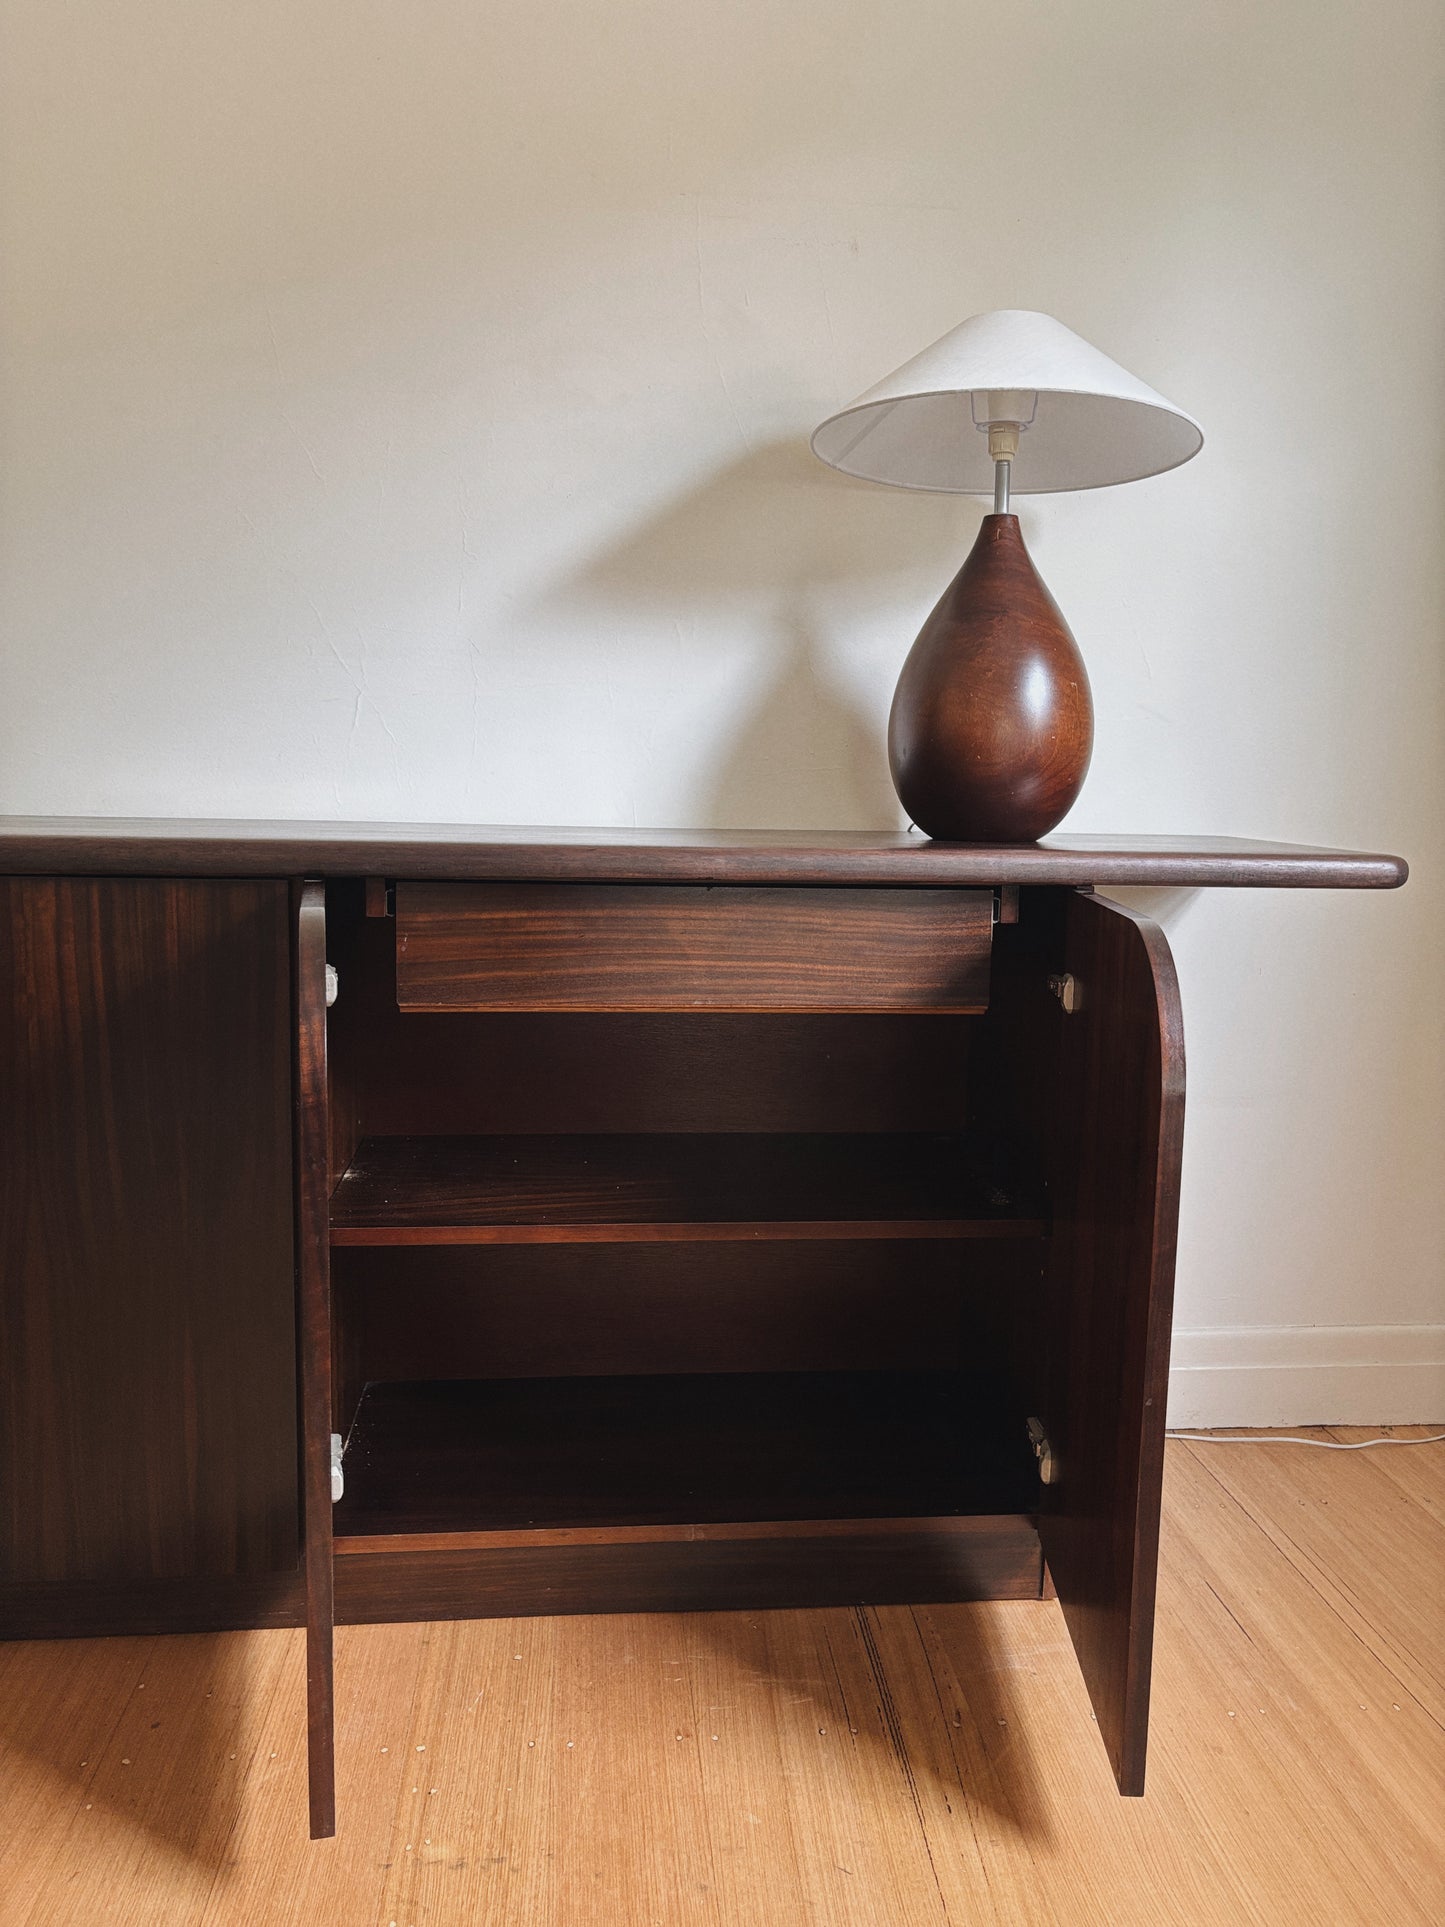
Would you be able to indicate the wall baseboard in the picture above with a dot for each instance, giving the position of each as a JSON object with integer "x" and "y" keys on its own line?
{"x": 1308, "y": 1375}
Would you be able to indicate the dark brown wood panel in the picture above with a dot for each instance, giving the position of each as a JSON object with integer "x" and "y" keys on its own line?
{"x": 350, "y": 1062}
{"x": 594, "y": 947}
{"x": 1122, "y": 1091}
{"x": 93, "y": 1609}
{"x": 756, "y": 1530}
{"x": 509, "y": 1454}
{"x": 1104, "y": 1087}
{"x": 367, "y": 975}
{"x": 434, "y": 1073}
{"x": 160, "y": 846}
{"x": 417, "y": 1073}
{"x": 147, "y": 1384}
{"x": 314, "y": 1340}
{"x": 615, "y": 1189}
{"x": 862, "y": 1563}
{"x": 544, "y": 1311}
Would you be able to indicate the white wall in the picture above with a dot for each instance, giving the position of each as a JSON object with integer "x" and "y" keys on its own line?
{"x": 405, "y": 407}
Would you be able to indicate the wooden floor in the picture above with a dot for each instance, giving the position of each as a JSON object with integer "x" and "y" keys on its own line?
{"x": 898, "y": 1766}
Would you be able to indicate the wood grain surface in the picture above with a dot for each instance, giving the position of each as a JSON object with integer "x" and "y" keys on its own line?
{"x": 147, "y": 1382}
{"x": 165, "y": 846}
{"x": 1120, "y": 1113}
{"x": 418, "y": 1073}
{"x": 992, "y": 722}
{"x": 825, "y": 1768}
{"x": 543, "y": 1311}
{"x": 622, "y": 1188}
{"x": 1096, "y": 1093}
{"x": 684, "y": 1493}
{"x": 590, "y": 947}
{"x": 806, "y": 1564}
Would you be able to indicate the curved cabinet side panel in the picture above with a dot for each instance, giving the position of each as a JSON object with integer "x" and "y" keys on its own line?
{"x": 1082, "y": 1057}
{"x": 1119, "y": 1130}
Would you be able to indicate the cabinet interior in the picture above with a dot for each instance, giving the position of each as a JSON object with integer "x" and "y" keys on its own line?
{"x": 647, "y": 1273}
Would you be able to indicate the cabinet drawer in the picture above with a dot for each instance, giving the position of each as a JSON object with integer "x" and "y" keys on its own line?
{"x": 600, "y": 946}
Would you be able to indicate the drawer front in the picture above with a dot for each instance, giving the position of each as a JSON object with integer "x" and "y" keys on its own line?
{"x": 601, "y": 946}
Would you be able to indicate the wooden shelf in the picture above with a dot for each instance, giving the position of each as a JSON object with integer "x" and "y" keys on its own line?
{"x": 592, "y": 1460}
{"x": 639, "y": 1189}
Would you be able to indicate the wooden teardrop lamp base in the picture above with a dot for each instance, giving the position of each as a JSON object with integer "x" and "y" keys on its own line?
{"x": 992, "y": 722}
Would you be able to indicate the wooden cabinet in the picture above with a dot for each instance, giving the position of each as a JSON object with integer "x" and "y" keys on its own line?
{"x": 147, "y": 1325}
{"x": 661, "y": 1222}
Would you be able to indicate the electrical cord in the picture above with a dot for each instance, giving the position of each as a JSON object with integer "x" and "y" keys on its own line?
{"x": 1275, "y": 1438}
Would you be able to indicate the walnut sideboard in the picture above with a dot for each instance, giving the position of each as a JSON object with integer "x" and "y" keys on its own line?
{"x": 671, "y": 1221}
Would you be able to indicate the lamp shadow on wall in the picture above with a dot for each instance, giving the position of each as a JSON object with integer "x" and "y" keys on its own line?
{"x": 808, "y": 756}
{"x": 778, "y": 534}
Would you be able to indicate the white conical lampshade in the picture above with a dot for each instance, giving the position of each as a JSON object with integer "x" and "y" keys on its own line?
{"x": 1095, "y": 424}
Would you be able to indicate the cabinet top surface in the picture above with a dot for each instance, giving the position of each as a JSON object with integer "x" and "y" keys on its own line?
{"x": 196, "y": 846}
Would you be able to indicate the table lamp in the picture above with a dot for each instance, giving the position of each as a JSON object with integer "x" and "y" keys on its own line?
{"x": 992, "y": 722}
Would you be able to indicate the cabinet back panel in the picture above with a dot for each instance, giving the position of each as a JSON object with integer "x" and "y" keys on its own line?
{"x": 558, "y": 1311}
{"x": 444, "y": 1076}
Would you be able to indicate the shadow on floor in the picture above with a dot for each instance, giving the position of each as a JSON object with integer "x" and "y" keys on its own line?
{"x": 159, "y": 1732}
{"x": 163, "y": 1734}
{"x": 933, "y": 1688}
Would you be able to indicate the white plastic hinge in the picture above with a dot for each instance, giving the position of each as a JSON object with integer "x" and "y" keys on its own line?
{"x": 333, "y": 984}
{"x": 338, "y": 1477}
{"x": 1043, "y": 1452}
{"x": 1066, "y": 988}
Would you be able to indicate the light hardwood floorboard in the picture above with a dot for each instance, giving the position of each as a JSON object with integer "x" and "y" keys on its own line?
{"x": 1312, "y": 1505}
{"x": 1415, "y": 1472}
{"x": 890, "y": 1768}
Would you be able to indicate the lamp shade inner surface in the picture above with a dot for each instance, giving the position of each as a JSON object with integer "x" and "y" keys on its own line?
{"x": 1095, "y": 423}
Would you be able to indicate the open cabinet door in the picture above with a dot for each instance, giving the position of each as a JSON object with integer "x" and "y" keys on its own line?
{"x": 1118, "y": 1131}
{"x": 1083, "y": 1057}
{"x": 313, "y": 1303}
